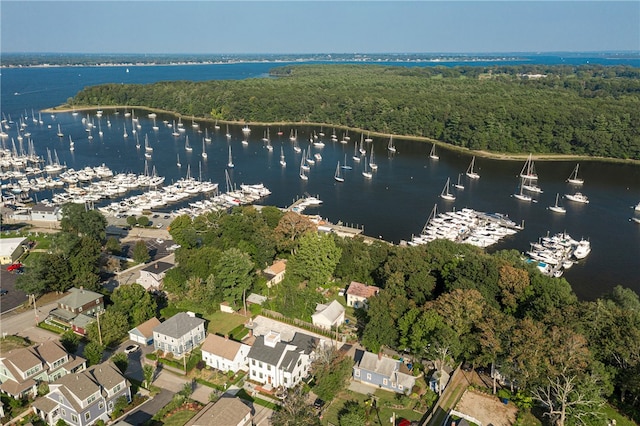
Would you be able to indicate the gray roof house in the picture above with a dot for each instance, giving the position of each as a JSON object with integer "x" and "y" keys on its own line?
{"x": 77, "y": 309}
{"x": 383, "y": 372}
{"x": 83, "y": 398}
{"x": 276, "y": 362}
{"x": 179, "y": 334}
{"x": 328, "y": 315}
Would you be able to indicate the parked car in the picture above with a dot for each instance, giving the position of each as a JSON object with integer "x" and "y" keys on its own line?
{"x": 14, "y": 267}
{"x": 3, "y": 291}
{"x": 131, "y": 349}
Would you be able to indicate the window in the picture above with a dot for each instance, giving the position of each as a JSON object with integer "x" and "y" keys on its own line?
{"x": 74, "y": 418}
{"x": 268, "y": 368}
{"x": 385, "y": 382}
{"x": 110, "y": 405}
{"x": 80, "y": 309}
{"x": 356, "y": 373}
{"x": 261, "y": 375}
{"x": 400, "y": 387}
{"x": 260, "y": 364}
{"x": 368, "y": 376}
{"x": 101, "y": 405}
{"x": 91, "y": 399}
{"x": 116, "y": 388}
{"x": 64, "y": 413}
{"x": 253, "y": 362}
{"x": 87, "y": 415}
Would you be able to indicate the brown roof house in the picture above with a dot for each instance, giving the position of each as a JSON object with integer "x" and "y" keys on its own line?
{"x": 224, "y": 354}
{"x": 358, "y": 294}
{"x": 275, "y": 272}
{"x": 77, "y": 310}
{"x": 143, "y": 333}
{"x": 151, "y": 277}
{"x": 22, "y": 369}
{"x": 224, "y": 412}
{"x": 83, "y": 398}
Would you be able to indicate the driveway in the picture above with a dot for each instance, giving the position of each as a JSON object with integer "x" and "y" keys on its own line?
{"x": 14, "y": 297}
{"x": 147, "y": 410}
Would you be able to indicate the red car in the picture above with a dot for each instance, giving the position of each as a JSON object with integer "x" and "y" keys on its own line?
{"x": 14, "y": 267}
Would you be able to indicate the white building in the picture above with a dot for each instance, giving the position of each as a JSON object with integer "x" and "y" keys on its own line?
{"x": 224, "y": 354}
{"x": 329, "y": 315}
{"x": 151, "y": 277}
{"x": 11, "y": 249}
{"x": 179, "y": 334}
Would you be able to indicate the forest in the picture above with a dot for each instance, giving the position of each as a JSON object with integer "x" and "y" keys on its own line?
{"x": 586, "y": 110}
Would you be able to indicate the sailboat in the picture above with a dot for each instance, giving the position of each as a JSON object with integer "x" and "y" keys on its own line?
{"x": 228, "y": 134}
{"x": 368, "y": 138}
{"x": 303, "y": 176}
{"x": 246, "y": 129}
{"x": 230, "y": 163}
{"x": 372, "y": 163}
{"x": 445, "y": 194}
{"x": 187, "y": 147}
{"x": 207, "y": 138}
{"x": 366, "y": 173}
{"x": 296, "y": 148}
{"x": 362, "y": 150}
{"x": 60, "y": 134}
{"x": 337, "y": 176}
{"x": 309, "y": 160}
{"x": 557, "y": 208}
{"x": 147, "y": 147}
{"x": 204, "y": 150}
{"x": 178, "y": 163}
{"x": 155, "y": 126}
{"x": 283, "y": 163}
{"x": 573, "y": 178}
{"x": 100, "y": 128}
{"x": 528, "y": 170}
{"x": 529, "y": 185}
{"x": 71, "y": 147}
{"x": 216, "y": 125}
{"x": 137, "y": 142}
{"x": 304, "y": 165}
{"x": 355, "y": 157}
{"x": 175, "y": 130}
{"x": 520, "y": 195}
{"x": 459, "y": 185}
{"x": 391, "y": 147}
{"x": 471, "y": 174}
{"x": 433, "y": 155}
{"x": 125, "y": 134}
{"x": 345, "y": 166}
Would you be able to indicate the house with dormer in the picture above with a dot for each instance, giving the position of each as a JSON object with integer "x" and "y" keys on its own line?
{"x": 21, "y": 370}
{"x": 179, "y": 334}
{"x": 77, "y": 310}
{"x": 83, "y": 398}
{"x": 225, "y": 354}
{"x": 276, "y": 360}
{"x": 382, "y": 372}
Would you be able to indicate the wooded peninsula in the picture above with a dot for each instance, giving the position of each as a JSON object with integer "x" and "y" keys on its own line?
{"x": 587, "y": 110}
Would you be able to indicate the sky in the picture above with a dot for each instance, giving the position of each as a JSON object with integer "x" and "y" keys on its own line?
{"x": 296, "y": 27}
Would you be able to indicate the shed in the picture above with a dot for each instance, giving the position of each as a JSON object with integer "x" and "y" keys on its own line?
{"x": 143, "y": 333}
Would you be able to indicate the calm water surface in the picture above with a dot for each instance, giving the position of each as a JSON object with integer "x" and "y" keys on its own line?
{"x": 393, "y": 205}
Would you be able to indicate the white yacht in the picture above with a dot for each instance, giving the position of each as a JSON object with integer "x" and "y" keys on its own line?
{"x": 577, "y": 197}
{"x": 582, "y": 250}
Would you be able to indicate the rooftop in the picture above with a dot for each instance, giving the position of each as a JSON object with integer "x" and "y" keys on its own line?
{"x": 179, "y": 325}
{"x": 362, "y": 290}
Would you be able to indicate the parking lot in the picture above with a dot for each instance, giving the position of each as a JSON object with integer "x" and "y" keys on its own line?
{"x": 13, "y": 298}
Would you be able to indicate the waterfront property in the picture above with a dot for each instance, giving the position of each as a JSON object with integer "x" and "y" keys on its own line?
{"x": 77, "y": 310}
{"x": 22, "y": 369}
{"x": 143, "y": 333}
{"x": 83, "y": 398}
{"x": 179, "y": 334}
{"x": 275, "y": 360}
{"x": 224, "y": 354}
{"x": 383, "y": 372}
{"x": 358, "y": 294}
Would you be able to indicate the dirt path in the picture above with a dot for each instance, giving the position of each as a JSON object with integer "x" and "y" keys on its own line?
{"x": 486, "y": 408}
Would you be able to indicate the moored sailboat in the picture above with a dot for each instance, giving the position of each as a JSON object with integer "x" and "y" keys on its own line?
{"x": 445, "y": 194}
{"x": 337, "y": 176}
{"x": 528, "y": 170}
{"x": 230, "y": 163}
{"x": 432, "y": 154}
{"x": 573, "y": 178}
{"x": 391, "y": 147}
{"x": 459, "y": 184}
{"x": 556, "y": 207}
{"x": 471, "y": 174}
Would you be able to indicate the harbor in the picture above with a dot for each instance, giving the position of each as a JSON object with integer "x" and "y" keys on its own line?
{"x": 557, "y": 253}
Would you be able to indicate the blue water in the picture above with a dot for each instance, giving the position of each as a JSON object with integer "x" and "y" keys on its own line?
{"x": 393, "y": 205}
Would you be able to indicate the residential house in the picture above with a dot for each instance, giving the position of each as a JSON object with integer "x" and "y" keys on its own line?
{"x": 143, "y": 333}
{"x": 225, "y": 412}
{"x": 438, "y": 381}
{"x": 358, "y": 294}
{"x": 83, "y": 398}
{"x": 179, "y": 334}
{"x": 151, "y": 277}
{"x": 77, "y": 310}
{"x": 11, "y": 249}
{"x": 45, "y": 213}
{"x": 224, "y": 354}
{"x": 383, "y": 372}
{"x": 275, "y": 362}
{"x": 22, "y": 369}
{"x": 329, "y": 315}
{"x": 275, "y": 272}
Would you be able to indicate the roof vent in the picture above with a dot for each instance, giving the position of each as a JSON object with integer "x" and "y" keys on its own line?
{"x": 191, "y": 314}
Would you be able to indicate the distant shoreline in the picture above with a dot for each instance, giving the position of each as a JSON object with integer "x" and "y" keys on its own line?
{"x": 481, "y": 153}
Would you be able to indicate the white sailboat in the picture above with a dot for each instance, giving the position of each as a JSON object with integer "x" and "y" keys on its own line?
{"x": 178, "y": 163}
{"x": 303, "y": 175}
{"x": 528, "y": 170}
{"x": 71, "y": 145}
{"x": 296, "y": 147}
{"x": 362, "y": 150}
{"x": 283, "y": 163}
{"x": 557, "y": 207}
{"x": 228, "y": 135}
{"x": 137, "y": 142}
{"x": 432, "y": 154}
{"x": 372, "y": 162}
{"x": 187, "y": 147}
{"x": 124, "y": 133}
{"x": 216, "y": 125}
{"x": 310, "y": 160}
{"x": 204, "y": 150}
{"x": 345, "y": 166}
{"x": 471, "y": 174}
{"x": 100, "y": 128}
{"x": 573, "y": 178}
{"x": 391, "y": 147}
{"x": 356, "y": 156}
{"x": 60, "y": 134}
{"x": 246, "y": 129}
{"x": 337, "y": 176}
{"x": 529, "y": 185}
{"x": 522, "y": 196}
{"x": 304, "y": 165}
{"x": 147, "y": 147}
{"x": 368, "y": 138}
{"x": 459, "y": 184}
{"x": 445, "y": 194}
{"x": 207, "y": 138}
{"x": 365, "y": 172}
{"x": 175, "y": 132}
{"x": 230, "y": 163}
{"x": 155, "y": 126}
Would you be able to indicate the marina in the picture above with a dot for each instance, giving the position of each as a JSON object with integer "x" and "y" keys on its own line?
{"x": 555, "y": 254}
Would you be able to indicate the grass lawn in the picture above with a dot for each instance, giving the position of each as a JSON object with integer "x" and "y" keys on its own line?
{"x": 179, "y": 418}
{"x": 222, "y": 323}
{"x": 611, "y": 413}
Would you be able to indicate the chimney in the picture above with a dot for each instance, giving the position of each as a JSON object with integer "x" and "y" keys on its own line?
{"x": 155, "y": 265}
{"x": 380, "y": 356}
{"x": 81, "y": 289}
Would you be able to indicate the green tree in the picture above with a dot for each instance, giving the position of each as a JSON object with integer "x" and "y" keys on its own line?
{"x": 352, "y": 414}
{"x": 121, "y": 360}
{"x": 93, "y": 353}
{"x": 315, "y": 260}
{"x": 234, "y": 275}
{"x": 134, "y": 302}
{"x": 119, "y": 406}
{"x": 331, "y": 371}
{"x": 132, "y": 221}
{"x": 113, "y": 327}
{"x": 289, "y": 230}
{"x": 141, "y": 252}
{"x": 381, "y": 328}
{"x": 113, "y": 246}
{"x": 70, "y": 341}
{"x": 77, "y": 220}
{"x": 148, "y": 371}
{"x": 143, "y": 221}
{"x": 84, "y": 264}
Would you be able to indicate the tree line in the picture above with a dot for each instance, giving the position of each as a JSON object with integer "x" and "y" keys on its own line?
{"x": 585, "y": 110}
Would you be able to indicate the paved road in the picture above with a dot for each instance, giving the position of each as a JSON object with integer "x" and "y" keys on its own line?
{"x": 147, "y": 410}
{"x": 24, "y": 323}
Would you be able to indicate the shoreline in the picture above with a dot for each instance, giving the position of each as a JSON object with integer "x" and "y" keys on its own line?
{"x": 423, "y": 139}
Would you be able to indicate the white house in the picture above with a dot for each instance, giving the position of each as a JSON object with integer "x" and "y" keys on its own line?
{"x": 11, "y": 249}
{"x": 224, "y": 354}
{"x": 179, "y": 334}
{"x": 45, "y": 213}
{"x": 275, "y": 272}
{"x": 275, "y": 362}
{"x": 358, "y": 294}
{"x": 151, "y": 277}
{"x": 328, "y": 315}
{"x": 143, "y": 333}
